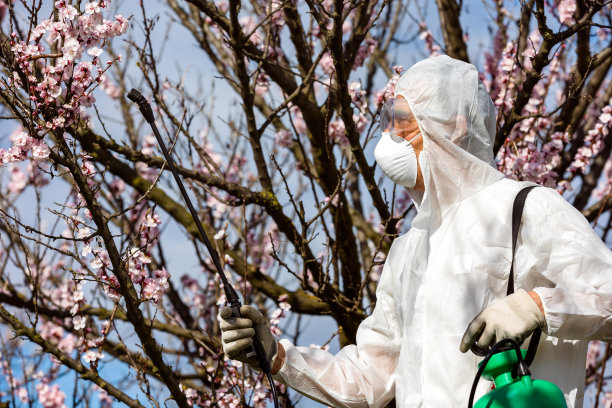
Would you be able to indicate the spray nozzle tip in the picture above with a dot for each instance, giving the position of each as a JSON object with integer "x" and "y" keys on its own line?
{"x": 144, "y": 106}
{"x": 135, "y": 96}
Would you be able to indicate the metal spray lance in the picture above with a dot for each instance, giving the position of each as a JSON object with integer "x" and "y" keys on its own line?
{"x": 230, "y": 293}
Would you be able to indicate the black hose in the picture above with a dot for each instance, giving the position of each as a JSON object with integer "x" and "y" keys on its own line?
{"x": 522, "y": 368}
{"x": 230, "y": 292}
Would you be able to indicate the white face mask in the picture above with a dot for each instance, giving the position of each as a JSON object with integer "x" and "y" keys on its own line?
{"x": 397, "y": 160}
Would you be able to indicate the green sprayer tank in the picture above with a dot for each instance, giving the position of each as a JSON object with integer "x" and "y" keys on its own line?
{"x": 520, "y": 392}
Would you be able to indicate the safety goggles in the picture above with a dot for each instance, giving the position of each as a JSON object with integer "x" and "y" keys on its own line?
{"x": 395, "y": 117}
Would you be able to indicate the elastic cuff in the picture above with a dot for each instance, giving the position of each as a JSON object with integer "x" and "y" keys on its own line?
{"x": 279, "y": 360}
{"x": 549, "y": 296}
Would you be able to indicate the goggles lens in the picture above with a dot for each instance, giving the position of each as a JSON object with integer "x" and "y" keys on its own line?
{"x": 395, "y": 116}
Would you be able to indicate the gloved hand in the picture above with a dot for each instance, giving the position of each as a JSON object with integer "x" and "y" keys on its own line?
{"x": 514, "y": 317}
{"x": 237, "y": 335}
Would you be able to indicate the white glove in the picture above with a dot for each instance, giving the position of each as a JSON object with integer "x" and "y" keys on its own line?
{"x": 514, "y": 317}
{"x": 237, "y": 334}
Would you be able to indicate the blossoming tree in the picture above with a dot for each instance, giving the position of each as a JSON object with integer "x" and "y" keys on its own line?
{"x": 283, "y": 176}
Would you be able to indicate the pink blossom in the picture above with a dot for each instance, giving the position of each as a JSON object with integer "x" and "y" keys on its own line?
{"x": 21, "y": 139}
{"x": 604, "y": 186}
{"x": 220, "y": 234}
{"x": 18, "y": 180}
{"x": 79, "y": 322}
{"x": 189, "y": 283}
{"x": 111, "y": 89}
{"x": 248, "y": 24}
{"x": 221, "y": 6}
{"x": 22, "y": 393}
{"x": 68, "y": 343}
{"x": 277, "y": 17}
{"x": 153, "y": 289}
{"x": 389, "y": 90}
{"x": 298, "y": 120}
{"x": 50, "y": 396}
{"x": 336, "y": 132}
{"x": 282, "y": 302}
{"x": 593, "y": 141}
{"x": 92, "y": 7}
{"x": 101, "y": 260}
{"x": 567, "y": 9}
{"x": 162, "y": 275}
{"x": 327, "y": 64}
{"x": 40, "y": 150}
{"x": 361, "y": 121}
{"x": 148, "y": 143}
{"x": 593, "y": 353}
{"x": 364, "y": 52}
{"x": 92, "y": 356}
{"x": 66, "y": 11}
{"x": 3, "y": 8}
{"x": 427, "y": 36}
{"x": 283, "y": 138}
{"x": 152, "y": 220}
{"x": 106, "y": 401}
{"x": 263, "y": 85}
{"x": 117, "y": 186}
{"x": 72, "y": 48}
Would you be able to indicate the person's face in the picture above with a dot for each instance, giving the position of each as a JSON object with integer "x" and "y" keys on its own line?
{"x": 400, "y": 122}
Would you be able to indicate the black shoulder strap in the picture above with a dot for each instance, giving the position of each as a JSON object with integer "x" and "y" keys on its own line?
{"x": 517, "y": 213}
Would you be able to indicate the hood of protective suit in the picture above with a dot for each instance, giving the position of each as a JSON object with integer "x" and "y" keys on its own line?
{"x": 457, "y": 120}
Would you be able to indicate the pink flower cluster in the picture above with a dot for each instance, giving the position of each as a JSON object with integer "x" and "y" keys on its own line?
{"x": 109, "y": 87}
{"x": 263, "y": 85}
{"x": 277, "y": 16}
{"x": 249, "y": 27}
{"x": 364, "y": 52}
{"x": 50, "y": 396}
{"x": 567, "y": 10}
{"x": 388, "y": 91}
{"x": 24, "y": 147}
{"x": 11, "y": 380}
{"x": 604, "y": 186}
{"x": 278, "y": 314}
{"x": 66, "y": 84}
{"x": 426, "y": 35}
{"x": 136, "y": 259}
{"x": 521, "y": 159}
{"x": 298, "y": 120}
{"x": 336, "y": 131}
{"x": 155, "y": 288}
{"x": 336, "y": 128}
{"x": 593, "y": 353}
{"x": 3, "y": 9}
{"x": 504, "y": 86}
{"x": 283, "y": 138}
{"x": 261, "y": 247}
{"x": 326, "y": 63}
{"x": 56, "y": 335}
{"x": 594, "y": 142}
{"x": 358, "y": 97}
{"x": 228, "y": 390}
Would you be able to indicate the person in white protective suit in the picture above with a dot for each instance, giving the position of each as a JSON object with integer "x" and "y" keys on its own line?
{"x": 453, "y": 265}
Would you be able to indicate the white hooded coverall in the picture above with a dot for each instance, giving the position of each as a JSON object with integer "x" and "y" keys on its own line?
{"x": 455, "y": 260}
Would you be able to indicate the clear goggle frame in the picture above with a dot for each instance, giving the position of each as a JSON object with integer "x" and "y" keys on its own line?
{"x": 395, "y": 118}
